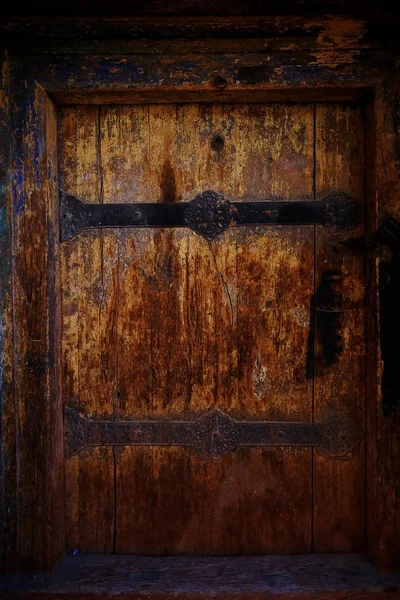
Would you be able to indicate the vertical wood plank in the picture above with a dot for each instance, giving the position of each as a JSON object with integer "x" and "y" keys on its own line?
{"x": 8, "y": 416}
{"x": 89, "y": 297}
{"x": 340, "y": 351}
{"x": 36, "y": 303}
{"x": 275, "y": 281}
{"x": 69, "y": 266}
{"x": 383, "y": 154}
{"x": 125, "y": 161}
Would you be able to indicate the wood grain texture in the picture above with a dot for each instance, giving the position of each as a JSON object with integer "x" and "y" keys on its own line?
{"x": 207, "y": 34}
{"x": 87, "y": 342}
{"x": 8, "y": 424}
{"x": 340, "y": 349}
{"x": 199, "y": 325}
{"x": 299, "y": 76}
{"x": 137, "y": 78}
{"x": 275, "y": 279}
{"x": 318, "y": 577}
{"x": 384, "y": 442}
{"x": 40, "y": 509}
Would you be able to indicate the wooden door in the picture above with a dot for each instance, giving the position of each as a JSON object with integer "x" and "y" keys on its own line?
{"x": 264, "y": 323}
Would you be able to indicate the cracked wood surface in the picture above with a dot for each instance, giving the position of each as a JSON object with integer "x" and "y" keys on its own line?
{"x": 310, "y": 59}
{"x": 161, "y": 323}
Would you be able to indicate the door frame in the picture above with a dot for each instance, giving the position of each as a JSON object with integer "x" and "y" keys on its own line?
{"x": 147, "y": 60}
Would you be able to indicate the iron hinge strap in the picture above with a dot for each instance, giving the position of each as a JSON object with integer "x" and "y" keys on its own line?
{"x": 213, "y": 434}
{"x": 209, "y": 214}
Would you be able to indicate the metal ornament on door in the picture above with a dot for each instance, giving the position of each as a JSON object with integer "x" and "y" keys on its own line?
{"x": 213, "y": 434}
{"x": 209, "y": 214}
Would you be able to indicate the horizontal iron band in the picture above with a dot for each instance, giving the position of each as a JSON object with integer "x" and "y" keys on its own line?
{"x": 213, "y": 434}
{"x": 209, "y": 214}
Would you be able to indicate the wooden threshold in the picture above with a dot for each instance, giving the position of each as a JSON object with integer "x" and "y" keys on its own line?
{"x": 313, "y": 576}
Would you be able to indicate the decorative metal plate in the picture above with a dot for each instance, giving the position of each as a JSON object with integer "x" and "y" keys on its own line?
{"x": 341, "y": 213}
{"x": 212, "y": 434}
{"x": 209, "y": 214}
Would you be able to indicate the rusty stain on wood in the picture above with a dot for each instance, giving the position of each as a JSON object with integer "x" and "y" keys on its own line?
{"x": 317, "y": 58}
{"x": 186, "y": 301}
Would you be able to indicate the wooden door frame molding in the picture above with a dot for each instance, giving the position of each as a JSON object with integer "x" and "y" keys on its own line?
{"x": 115, "y": 61}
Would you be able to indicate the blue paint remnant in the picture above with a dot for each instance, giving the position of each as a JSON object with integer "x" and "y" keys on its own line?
{"x": 5, "y": 291}
{"x": 4, "y": 250}
{"x": 4, "y": 239}
{"x": 110, "y": 71}
{"x": 296, "y": 74}
{"x": 26, "y": 123}
{"x": 5, "y": 287}
{"x": 18, "y": 192}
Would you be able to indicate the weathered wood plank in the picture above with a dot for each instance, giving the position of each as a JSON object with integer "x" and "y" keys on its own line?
{"x": 275, "y": 277}
{"x": 319, "y": 577}
{"x": 325, "y": 30}
{"x": 77, "y": 79}
{"x": 383, "y": 429}
{"x": 69, "y": 267}
{"x": 88, "y": 309}
{"x": 8, "y": 421}
{"x": 36, "y": 327}
{"x": 202, "y": 34}
{"x": 338, "y": 367}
